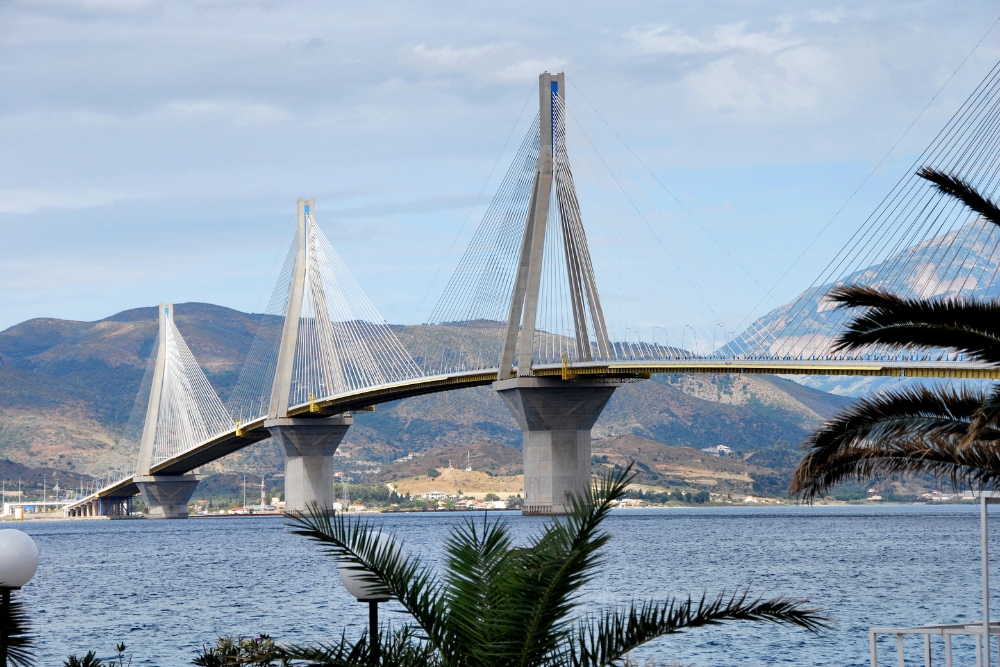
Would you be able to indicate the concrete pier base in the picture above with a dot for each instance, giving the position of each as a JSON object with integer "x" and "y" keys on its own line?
{"x": 309, "y": 445}
{"x": 555, "y": 417}
{"x": 167, "y": 496}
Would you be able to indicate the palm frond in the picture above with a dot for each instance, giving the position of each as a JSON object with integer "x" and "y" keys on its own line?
{"x": 963, "y": 191}
{"x": 20, "y": 641}
{"x": 607, "y": 638}
{"x": 986, "y": 418}
{"x": 557, "y": 564}
{"x": 399, "y": 648}
{"x": 477, "y": 583}
{"x": 915, "y": 430}
{"x": 970, "y": 326}
{"x": 405, "y": 578}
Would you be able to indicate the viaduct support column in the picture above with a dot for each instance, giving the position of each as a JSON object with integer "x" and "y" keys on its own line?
{"x": 555, "y": 417}
{"x": 167, "y": 496}
{"x": 309, "y": 445}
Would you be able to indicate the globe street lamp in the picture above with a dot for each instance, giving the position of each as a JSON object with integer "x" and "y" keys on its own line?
{"x": 18, "y": 563}
{"x": 357, "y": 581}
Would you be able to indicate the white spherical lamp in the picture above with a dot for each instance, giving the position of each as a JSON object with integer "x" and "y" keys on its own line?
{"x": 18, "y": 558}
{"x": 353, "y": 576}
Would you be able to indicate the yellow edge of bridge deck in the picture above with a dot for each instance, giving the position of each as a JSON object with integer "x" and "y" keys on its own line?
{"x": 369, "y": 396}
{"x": 968, "y": 370}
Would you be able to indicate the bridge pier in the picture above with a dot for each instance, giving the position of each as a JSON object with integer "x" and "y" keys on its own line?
{"x": 555, "y": 417}
{"x": 309, "y": 444}
{"x": 167, "y": 496}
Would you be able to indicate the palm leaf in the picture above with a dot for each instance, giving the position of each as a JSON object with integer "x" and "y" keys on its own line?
{"x": 986, "y": 418}
{"x": 964, "y": 325}
{"x": 607, "y": 638}
{"x": 399, "y": 648}
{"x": 556, "y": 565}
{"x": 915, "y": 430}
{"x": 20, "y": 641}
{"x": 963, "y": 191}
{"x": 406, "y": 579}
{"x": 477, "y": 583}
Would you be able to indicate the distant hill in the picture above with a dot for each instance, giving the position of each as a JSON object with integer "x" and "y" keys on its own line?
{"x": 963, "y": 261}
{"x": 67, "y": 389}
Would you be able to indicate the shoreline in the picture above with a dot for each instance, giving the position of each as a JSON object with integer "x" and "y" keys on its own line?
{"x": 705, "y": 506}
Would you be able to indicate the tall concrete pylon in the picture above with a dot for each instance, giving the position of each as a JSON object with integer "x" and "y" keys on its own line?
{"x": 553, "y": 162}
{"x": 555, "y": 416}
{"x": 308, "y": 442}
{"x": 166, "y": 496}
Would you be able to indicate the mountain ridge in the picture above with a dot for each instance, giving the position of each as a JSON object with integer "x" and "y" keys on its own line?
{"x": 67, "y": 389}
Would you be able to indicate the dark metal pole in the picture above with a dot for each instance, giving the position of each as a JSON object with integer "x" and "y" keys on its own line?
{"x": 372, "y": 631}
{"x": 6, "y": 626}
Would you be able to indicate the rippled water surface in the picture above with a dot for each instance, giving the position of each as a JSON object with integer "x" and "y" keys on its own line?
{"x": 167, "y": 587}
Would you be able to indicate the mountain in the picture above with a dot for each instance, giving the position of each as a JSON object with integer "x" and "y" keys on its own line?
{"x": 67, "y": 390}
{"x": 963, "y": 262}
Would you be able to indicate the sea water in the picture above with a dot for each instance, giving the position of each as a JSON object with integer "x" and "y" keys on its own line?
{"x": 166, "y": 588}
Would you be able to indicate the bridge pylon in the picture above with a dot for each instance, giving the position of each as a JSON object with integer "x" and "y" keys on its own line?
{"x": 555, "y": 415}
{"x": 309, "y": 440}
{"x": 166, "y": 496}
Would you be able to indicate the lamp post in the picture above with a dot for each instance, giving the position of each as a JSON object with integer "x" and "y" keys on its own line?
{"x": 18, "y": 563}
{"x": 357, "y": 581}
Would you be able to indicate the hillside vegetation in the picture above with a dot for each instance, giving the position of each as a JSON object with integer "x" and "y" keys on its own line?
{"x": 67, "y": 389}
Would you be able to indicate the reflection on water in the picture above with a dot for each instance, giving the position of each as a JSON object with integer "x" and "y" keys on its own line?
{"x": 167, "y": 587}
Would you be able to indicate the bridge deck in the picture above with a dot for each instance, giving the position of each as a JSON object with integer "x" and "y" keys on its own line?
{"x": 247, "y": 434}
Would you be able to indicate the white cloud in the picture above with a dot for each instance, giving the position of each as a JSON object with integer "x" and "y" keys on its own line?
{"x": 240, "y": 114}
{"x": 729, "y": 37}
{"x": 530, "y": 68}
{"x": 503, "y": 61}
{"x": 462, "y": 60}
{"x": 29, "y": 201}
{"x": 761, "y": 86}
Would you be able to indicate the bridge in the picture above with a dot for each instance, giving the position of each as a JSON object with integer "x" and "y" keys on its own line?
{"x": 322, "y": 351}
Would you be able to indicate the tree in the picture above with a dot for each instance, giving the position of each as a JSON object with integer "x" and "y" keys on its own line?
{"x": 918, "y": 430}
{"x": 498, "y": 605}
{"x": 942, "y": 431}
{"x": 433, "y": 473}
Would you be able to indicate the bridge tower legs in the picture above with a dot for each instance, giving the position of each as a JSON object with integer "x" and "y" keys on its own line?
{"x": 166, "y": 496}
{"x": 555, "y": 417}
{"x": 309, "y": 440}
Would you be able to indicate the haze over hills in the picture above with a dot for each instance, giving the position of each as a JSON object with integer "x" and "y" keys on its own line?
{"x": 67, "y": 389}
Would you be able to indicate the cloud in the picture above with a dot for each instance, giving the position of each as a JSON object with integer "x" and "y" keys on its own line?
{"x": 29, "y": 201}
{"x": 237, "y": 113}
{"x": 498, "y": 61}
{"x": 665, "y": 39}
{"x": 760, "y": 86}
{"x": 379, "y": 209}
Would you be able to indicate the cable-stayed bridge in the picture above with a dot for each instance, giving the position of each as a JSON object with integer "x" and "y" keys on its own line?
{"x": 607, "y": 295}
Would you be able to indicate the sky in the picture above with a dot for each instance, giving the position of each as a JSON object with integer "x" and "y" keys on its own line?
{"x": 153, "y": 151}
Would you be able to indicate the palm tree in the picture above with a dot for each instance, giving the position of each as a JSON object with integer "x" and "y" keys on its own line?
{"x": 948, "y": 433}
{"x": 913, "y": 431}
{"x": 498, "y": 605}
{"x": 15, "y": 635}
